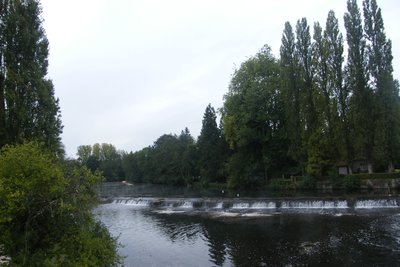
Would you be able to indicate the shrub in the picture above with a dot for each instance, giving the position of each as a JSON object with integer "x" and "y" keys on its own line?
{"x": 364, "y": 176}
{"x": 351, "y": 182}
{"x": 281, "y": 184}
{"x": 45, "y": 218}
{"x": 308, "y": 183}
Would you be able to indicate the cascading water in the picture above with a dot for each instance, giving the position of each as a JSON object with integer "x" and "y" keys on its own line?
{"x": 230, "y": 206}
{"x": 263, "y": 205}
{"x": 374, "y": 204}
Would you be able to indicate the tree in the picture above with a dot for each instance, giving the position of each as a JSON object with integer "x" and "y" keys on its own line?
{"x": 304, "y": 55}
{"x": 45, "y": 217}
{"x": 253, "y": 117}
{"x": 387, "y": 139}
{"x": 361, "y": 102}
{"x": 188, "y": 156}
{"x": 340, "y": 100}
{"x": 171, "y": 160}
{"x": 324, "y": 92}
{"x": 3, "y": 14}
{"x": 208, "y": 144}
{"x": 84, "y": 152}
{"x": 292, "y": 97}
{"x": 102, "y": 157}
{"x": 132, "y": 166}
{"x": 28, "y": 107}
{"x": 320, "y": 148}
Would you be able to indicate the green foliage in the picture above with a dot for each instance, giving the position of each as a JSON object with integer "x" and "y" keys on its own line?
{"x": 365, "y": 176}
{"x": 45, "y": 217}
{"x": 362, "y": 100}
{"x": 387, "y": 132}
{"x": 253, "y": 116}
{"x": 291, "y": 93}
{"x": 210, "y": 149}
{"x": 28, "y": 107}
{"x": 351, "y": 182}
{"x": 244, "y": 172}
{"x": 308, "y": 183}
{"x": 281, "y": 184}
{"x": 104, "y": 158}
{"x": 307, "y": 111}
{"x": 171, "y": 160}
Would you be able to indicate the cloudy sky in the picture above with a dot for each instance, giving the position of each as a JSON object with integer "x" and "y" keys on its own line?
{"x": 128, "y": 71}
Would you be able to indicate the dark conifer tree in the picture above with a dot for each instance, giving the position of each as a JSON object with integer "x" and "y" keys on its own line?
{"x": 208, "y": 145}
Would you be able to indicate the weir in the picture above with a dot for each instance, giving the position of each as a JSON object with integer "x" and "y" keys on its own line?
{"x": 259, "y": 205}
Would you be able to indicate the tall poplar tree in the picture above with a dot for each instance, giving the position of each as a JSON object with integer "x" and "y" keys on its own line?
{"x": 304, "y": 55}
{"x": 320, "y": 64}
{"x": 361, "y": 102}
{"x": 387, "y": 141}
{"x": 320, "y": 148}
{"x": 291, "y": 91}
{"x": 340, "y": 108}
{"x": 4, "y": 11}
{"x": 28, "y": 107}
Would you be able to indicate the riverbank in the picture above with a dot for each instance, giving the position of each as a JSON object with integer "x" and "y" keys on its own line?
{"x": 353, "y": 182}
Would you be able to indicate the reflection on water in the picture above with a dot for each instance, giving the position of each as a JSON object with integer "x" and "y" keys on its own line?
{"x": 152, "y": 238}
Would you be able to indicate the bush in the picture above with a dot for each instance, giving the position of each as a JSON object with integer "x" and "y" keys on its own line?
{"x": 351, "y": 182}
{"x": 364, "y": 176}
{"x": 281, "y": 184}
{"x": 308, "y": 183}
{"x": 45, "y": 218}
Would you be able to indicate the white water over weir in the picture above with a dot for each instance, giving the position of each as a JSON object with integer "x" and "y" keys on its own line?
{"x": 259, "y": 205}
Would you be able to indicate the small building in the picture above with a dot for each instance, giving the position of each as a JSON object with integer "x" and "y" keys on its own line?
{"x": 343, "y": 170}
{"x": 357, "y": 166}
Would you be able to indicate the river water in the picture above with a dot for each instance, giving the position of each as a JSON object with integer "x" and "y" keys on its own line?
{"x": 160, "y": 227}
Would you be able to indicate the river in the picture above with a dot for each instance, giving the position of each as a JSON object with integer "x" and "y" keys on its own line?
{"x": 162, "y": 226}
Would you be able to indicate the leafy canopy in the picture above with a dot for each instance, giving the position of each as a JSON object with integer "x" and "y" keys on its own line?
{"x": 45, "y": 217}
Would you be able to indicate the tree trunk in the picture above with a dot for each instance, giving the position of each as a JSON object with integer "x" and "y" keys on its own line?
{"x": 350, "y": 169}
{"x": 391, "y": 167}
{"x": 2, "y": 111}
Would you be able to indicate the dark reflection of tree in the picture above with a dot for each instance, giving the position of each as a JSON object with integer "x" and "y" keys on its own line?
{"x": 178, "y": 228}
{"x": 216, "y": 237}
{"x": 281, "y": 240}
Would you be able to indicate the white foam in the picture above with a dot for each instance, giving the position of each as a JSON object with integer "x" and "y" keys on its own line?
{"x": 373, "y": 204}
{"x": 256, "y": 214}
{"x": 263, "y": 205}
{"x": 225, "y": 214}
{"x": 314, "y": 204}
{"x": 219, "y": 205}
{"x": 240, "y": 205}
{"x": 187, "y": 205}
{"x": 138, "y": 202}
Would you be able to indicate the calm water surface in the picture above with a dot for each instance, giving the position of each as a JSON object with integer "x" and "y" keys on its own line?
{"x": 246, "y": 232}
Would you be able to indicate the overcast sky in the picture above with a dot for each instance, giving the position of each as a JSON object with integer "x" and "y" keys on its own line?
{"x": 128, "y": 71}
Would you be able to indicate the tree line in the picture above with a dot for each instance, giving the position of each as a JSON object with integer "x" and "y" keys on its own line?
{"x": 172, "y": 159}
{"x": 308, "y": 112}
